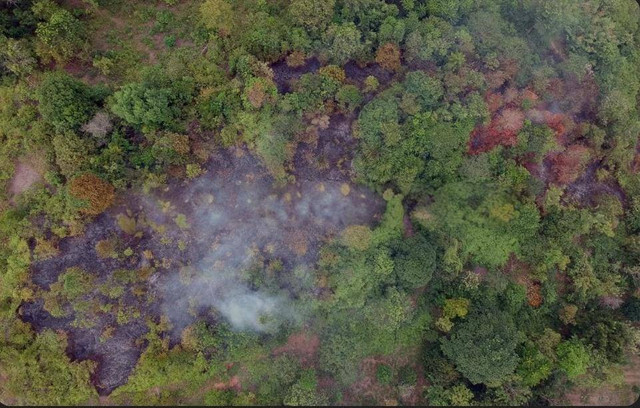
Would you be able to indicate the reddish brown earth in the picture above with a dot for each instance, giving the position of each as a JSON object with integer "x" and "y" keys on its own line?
{"x": 303, "y": 346}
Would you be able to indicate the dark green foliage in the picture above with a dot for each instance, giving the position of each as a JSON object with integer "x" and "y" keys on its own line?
{"x": 438, "y": 369}
{"x": 266, "y": 37}
{"x": 451, "y": 10}
{"x": 304, "y": 391}
{"x": 425, "y": 90}
{"x": 536, "y": 142}
{"x": 367, "y": 14}
{"x": 16, "y": 56}
{"x": 384, "y": 374}
{"x": 409, "y": 151}
{"x": 349, "y": 97}
{"x": 483, "y": 346}
{"x": 495, "y": 36}
{"x": 139, "y": 105}
{"x": 60, "y": 36}
{"x": 490, "y": 228}
{"x": 311, "y": 91}
{"x": 534, "y": 366}
{"x": 312, "y": 15}
{"x": 75, "y": 282}
{"x": 432, "y": 38}
{"x": 64, "y": 102}
{"x": 343, "y": 42}
{"x": 407, "y": 376}
{"x": 605, "y": 335}
{"x": 340, "y": 353}
{"x": 414, "y": 261}
{"x": 155, "y": 101}
{"x": 17, "y": 19}
{"x": 71, "y": 152}
{"x": 631, "y": 309}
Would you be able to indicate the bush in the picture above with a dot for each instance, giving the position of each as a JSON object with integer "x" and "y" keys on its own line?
{"x": 343, "y": 42}
{"x": 106, "y": 248}
{"x": 384, "y": 374}
{"x": 42, "y": 374}
{"x": 71, "y": 153}
{"x": 388, "y": 56}
{"x": 349, "y": 98}
{"x": 140, "y": 105}
{"x": 573, "y": 358}
{"x": 407, "y": 376}
{"x": 357, "y": 237}
{"x": 313, "y": 15}
{"x": 60, "y": 37}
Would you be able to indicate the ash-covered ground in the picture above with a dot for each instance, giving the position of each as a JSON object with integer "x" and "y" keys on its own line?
{"x": 230, "y": 245}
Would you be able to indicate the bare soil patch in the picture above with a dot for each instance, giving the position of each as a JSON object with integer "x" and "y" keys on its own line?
{"x": 25, "y": 176}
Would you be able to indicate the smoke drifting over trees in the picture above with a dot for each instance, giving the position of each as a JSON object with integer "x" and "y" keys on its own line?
{"x": 247, "y": 226}
{"x": 230, "y": 243}
{"x": 313, "y": 202}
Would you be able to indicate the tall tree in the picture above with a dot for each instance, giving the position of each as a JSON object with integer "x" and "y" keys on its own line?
{"x": 483, "y": 346}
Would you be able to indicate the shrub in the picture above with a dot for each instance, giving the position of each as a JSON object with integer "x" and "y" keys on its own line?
{"x": 384, "y": 374}
{"x": 106, "y": 248}
{"x": 296, "y": 59}
{"x": 371, "y": 83}
{"x": 357, "y": 237}
{"x": 415, "y": 261}
{"x": 483, "y": 347}
{"x": 349, "y": 97}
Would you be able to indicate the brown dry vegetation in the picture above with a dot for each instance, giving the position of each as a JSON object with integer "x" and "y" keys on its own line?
{"x": 97, "y": 193}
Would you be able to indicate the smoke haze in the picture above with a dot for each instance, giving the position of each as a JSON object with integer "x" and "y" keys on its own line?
{"x": 249, "y": 229}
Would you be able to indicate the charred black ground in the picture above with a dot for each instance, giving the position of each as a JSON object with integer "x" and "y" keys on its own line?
{"x": 239, "y": 220}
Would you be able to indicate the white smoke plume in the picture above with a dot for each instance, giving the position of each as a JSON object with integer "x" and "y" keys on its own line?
{"x": 239, "y": 224}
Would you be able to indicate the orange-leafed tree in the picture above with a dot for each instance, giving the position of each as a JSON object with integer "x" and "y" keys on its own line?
{"x": 97, "y": 194}
{"x": 388, "y": 56}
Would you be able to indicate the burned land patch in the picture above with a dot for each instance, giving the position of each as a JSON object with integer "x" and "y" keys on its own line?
{"x": 230, "y": 246}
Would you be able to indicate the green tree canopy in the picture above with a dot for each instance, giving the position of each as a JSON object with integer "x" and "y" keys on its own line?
{"x": 64, "y": 102}
{"x": 43, "y": 375}
{"x": 573, "y": 357}
{"x": 483, "y": 346}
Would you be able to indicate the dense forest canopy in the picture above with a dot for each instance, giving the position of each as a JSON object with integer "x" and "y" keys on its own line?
{"x": 336, "y": 202}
